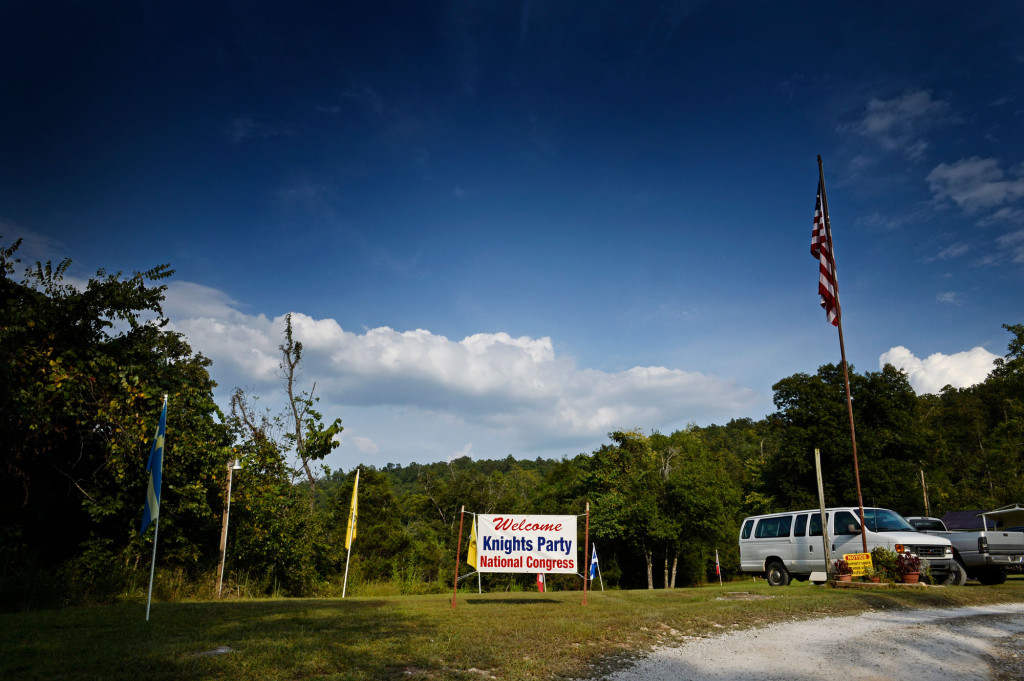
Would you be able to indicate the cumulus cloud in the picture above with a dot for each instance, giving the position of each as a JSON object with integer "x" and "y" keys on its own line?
{"x": 518, "y": 389}
{"x": 932, "y": 374}
{"x": 975, "y": 184}
{"x": 899, "y": 124}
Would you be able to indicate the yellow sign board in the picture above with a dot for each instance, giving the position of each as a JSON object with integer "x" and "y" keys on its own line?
{"x": 860, "y": 563}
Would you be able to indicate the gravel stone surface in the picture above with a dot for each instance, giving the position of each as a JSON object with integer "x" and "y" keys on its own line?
{"x": 984, "y": 643}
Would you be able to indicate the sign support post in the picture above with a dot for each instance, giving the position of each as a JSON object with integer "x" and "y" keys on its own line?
{"x": 458, "y": 553}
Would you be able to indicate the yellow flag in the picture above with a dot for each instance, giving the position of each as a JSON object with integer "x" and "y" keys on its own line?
{"x": 353, "y": 514}
{"x": 471, "y": 556}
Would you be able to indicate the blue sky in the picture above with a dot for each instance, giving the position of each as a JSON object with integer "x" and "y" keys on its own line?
{"x": 513, "y": 227}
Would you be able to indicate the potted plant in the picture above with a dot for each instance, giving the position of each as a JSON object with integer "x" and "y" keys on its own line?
{"x": 843, "y": 569}
{"x": 909, "y": 567}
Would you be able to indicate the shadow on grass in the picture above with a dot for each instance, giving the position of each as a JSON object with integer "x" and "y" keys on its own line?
{"x": 520, "y": 600}
{"x": 352, "y": 639}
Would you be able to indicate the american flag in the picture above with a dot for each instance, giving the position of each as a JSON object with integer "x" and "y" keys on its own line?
{"x": 822, "y": 252}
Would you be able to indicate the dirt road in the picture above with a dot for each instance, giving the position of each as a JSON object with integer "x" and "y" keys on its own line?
{"x": 962, "y": 644}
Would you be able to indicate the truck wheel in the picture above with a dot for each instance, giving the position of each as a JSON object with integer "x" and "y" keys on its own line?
{"x": 776, "y": 574}
{"x": 957, "y": 574}
{"x": 992, "y": 577}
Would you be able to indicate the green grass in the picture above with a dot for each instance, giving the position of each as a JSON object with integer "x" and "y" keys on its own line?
{"x": 508, "y": 636}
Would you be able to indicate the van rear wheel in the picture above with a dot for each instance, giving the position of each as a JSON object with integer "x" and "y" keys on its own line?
{"x": 776, "y": 574}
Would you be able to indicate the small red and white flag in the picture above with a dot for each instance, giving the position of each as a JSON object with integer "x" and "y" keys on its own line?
{"x": 821, "y": 249}
{"x": 540, "y": 582}
{"x": 718, "y": 568}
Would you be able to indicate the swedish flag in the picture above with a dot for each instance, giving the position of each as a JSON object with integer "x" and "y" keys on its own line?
{"x": 155, "y": 468}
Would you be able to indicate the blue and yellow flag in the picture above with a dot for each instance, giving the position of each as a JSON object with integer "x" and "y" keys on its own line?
{"x": 155, "y": 468}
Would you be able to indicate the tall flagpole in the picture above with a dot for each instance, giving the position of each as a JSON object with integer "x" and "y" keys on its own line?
{"x": 152, "y": 567}
{"x": 349, "y": 538}
{"x": 158, "y": 445}
{"x": 842, "y": 351}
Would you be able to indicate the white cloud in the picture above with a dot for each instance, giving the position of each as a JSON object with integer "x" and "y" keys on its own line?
{"x": 517, "y": 390}
{"x": 898, "y": 124}
{"x": 1013, "y": 245}
{"x": 953, "y": 251}
{"x": 365, "y": 445}
{"x": 975, "y": 184}
{"x": 34, "y": 246}
{"x": 932, "y": 374}
{"x": 949, "y": 297}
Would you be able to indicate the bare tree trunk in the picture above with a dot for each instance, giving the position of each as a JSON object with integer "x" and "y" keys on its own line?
{"x": 665, "y": 581}
{"x": 675, "y": 566}
{"x": 291, "y": 357}
{"x": 649, "y": 556}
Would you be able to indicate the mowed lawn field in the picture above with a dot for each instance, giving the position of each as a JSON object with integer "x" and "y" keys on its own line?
{"x": 499, "y": 635}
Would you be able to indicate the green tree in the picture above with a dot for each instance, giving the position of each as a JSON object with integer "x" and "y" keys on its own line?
{"x": 82, "y": 378}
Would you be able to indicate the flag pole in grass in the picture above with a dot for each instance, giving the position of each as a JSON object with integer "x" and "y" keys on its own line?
{"x": 151, "y": 512}
{"x": 595, "y": 567}
{"x": 718, "y": 568}
{"x": 350, "y": 533}
{"x": 471, "y": 555}
{"x": 458, "y": 551}
{"x": 586, "y": 540}
{"x": 828, "y": 288}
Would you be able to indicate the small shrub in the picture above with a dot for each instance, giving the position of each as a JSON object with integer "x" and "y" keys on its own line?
{"x": 885, "y": 562}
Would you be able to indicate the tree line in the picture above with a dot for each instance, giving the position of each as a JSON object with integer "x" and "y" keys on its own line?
{"x": 83, "y": 375}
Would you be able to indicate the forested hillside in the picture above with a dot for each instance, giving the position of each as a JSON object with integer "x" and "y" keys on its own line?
{"x": 84, "y": 371}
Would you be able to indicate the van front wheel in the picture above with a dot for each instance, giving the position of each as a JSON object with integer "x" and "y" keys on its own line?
{"x": 776, "y": 574}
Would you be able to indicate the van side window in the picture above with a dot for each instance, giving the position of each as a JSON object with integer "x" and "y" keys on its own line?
{"x": 769, "y": 528}
{"x": 801, "y": 525}
{"x": 816, "y": 524}
{"x": 846, "y": 523}
{"x": 747, "y": 527}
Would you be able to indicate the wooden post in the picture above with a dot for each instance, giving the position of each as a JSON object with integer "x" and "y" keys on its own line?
{"x": 824, "y": 519}
{"x": 458, "y": 553}
{"x": 586, "y": 542}
{"x": 924, "y": 490}
{"x": 224, "y": 531}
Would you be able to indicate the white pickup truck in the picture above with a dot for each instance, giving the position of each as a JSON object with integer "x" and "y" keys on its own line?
{"x": 986, "y": 552}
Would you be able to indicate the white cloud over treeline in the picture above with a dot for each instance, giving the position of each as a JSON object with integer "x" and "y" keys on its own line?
{"x": 517, "y": 388}
{"x": 933, "y": 373}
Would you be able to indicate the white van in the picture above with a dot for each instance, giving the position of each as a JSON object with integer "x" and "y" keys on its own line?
{"x": 782, "y": 546}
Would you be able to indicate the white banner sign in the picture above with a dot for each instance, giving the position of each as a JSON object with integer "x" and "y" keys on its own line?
{"x": 526, "y": 543}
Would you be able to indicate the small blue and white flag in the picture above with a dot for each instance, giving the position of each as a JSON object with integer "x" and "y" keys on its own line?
{"x": 155, "y": 468}
{"x": 593, "y": 564}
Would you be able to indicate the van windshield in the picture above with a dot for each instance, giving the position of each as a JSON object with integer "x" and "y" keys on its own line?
{"x": 884, "y": 520}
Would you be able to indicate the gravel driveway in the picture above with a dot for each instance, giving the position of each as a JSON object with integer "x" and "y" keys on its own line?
{"x": 954, "y": 644}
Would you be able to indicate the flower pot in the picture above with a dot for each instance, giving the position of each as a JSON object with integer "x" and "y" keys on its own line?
{"x": 875, "y": 580}
{"x": 845, "y": 578}
{"x": 910, "y": 577}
